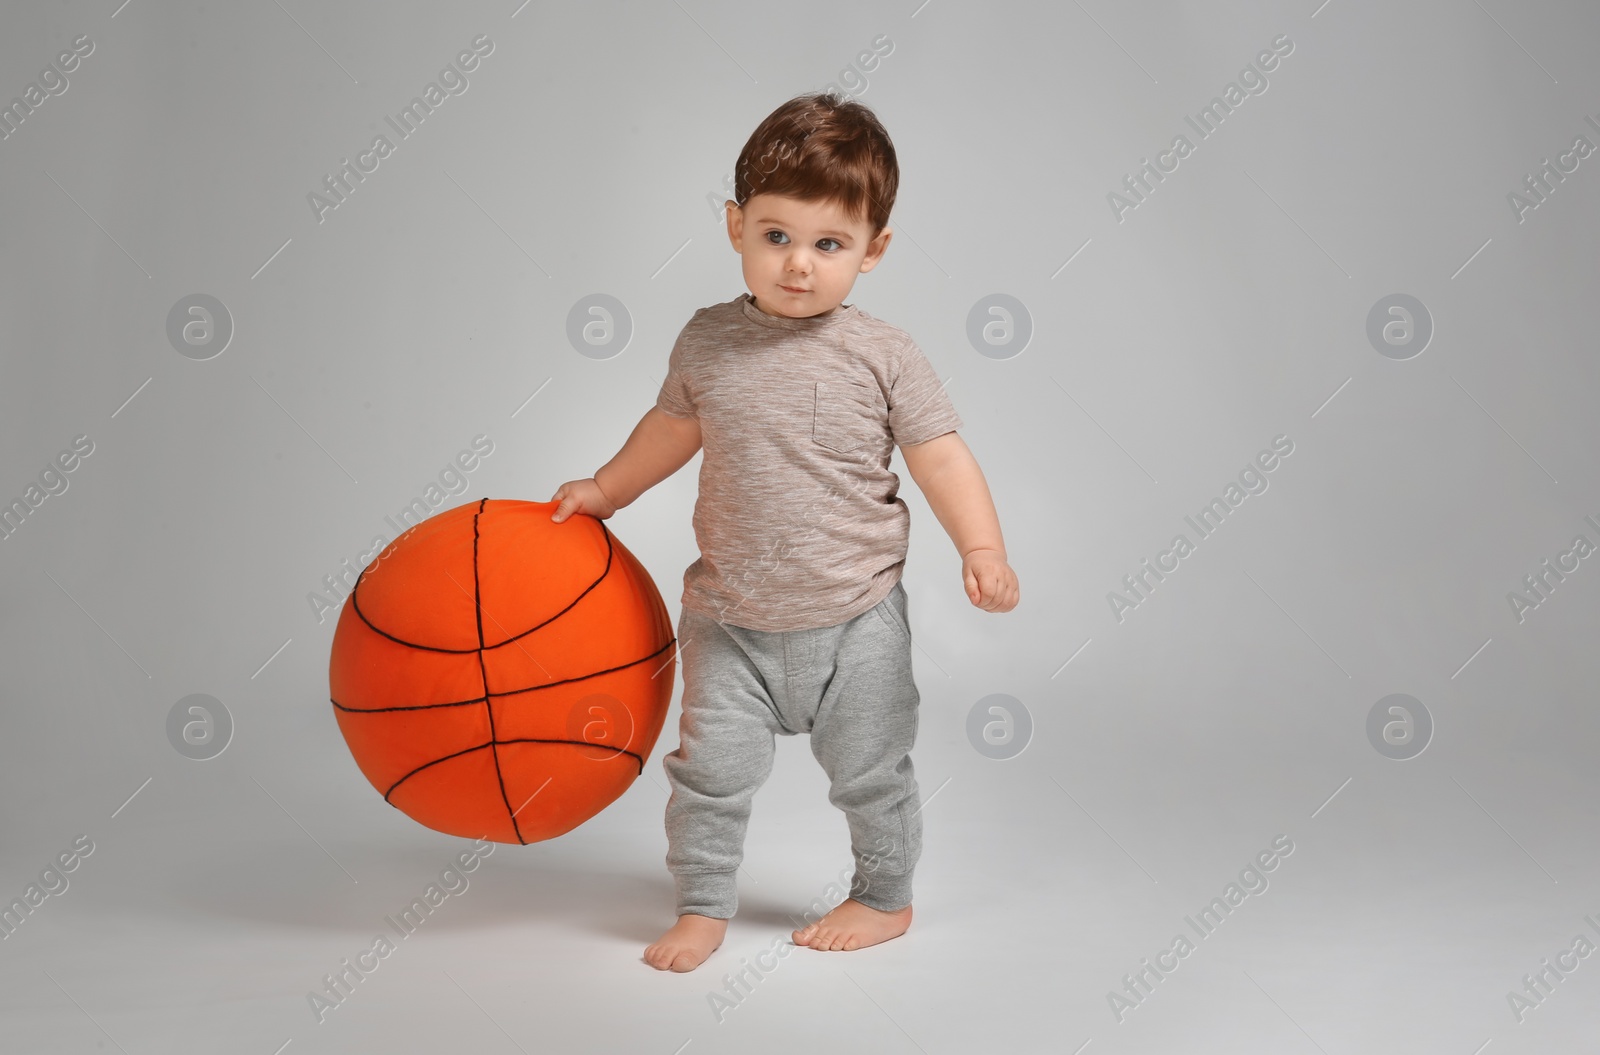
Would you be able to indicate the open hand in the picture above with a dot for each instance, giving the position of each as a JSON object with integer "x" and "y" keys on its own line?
{"x": 581, "y": 496}
{"x": 990, "y": 582}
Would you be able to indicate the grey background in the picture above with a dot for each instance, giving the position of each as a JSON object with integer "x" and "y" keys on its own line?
{"x": 1230, "y": 707}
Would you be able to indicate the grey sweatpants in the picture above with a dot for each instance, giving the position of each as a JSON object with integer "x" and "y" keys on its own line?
{"x": 849, "y": 686}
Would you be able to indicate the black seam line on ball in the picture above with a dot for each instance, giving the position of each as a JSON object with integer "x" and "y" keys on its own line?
{"x": 615, "y": 751}
{"x": 508, "y": 692}
{"x": 356, "y": 604}
{"x": 483, "y": 675}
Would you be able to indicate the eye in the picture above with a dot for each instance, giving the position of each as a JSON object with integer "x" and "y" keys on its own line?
{"x": 780, "y": 234}
{"x": 835, "y": 241}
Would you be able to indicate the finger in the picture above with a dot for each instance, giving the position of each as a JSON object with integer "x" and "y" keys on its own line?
{"x": 562, "y": 510}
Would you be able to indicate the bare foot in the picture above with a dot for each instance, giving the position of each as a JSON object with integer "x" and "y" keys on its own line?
{"x": 686, "y": 943}
{"x": 852, "y": 925}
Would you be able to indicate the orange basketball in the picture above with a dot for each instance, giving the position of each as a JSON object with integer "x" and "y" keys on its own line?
{"x": 500, "y": 676}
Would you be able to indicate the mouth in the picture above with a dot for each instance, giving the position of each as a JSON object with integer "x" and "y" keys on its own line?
{"x": 791, "y": 289}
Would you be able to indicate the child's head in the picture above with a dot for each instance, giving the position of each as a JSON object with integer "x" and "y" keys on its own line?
{"x": 820, "y": 172}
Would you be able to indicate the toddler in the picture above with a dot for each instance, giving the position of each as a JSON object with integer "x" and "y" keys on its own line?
{"x": 794, "y": 619}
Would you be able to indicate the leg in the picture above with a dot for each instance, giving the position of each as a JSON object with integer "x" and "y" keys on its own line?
{"x": 863, "y": 736}
{"x": 725, "y": 753}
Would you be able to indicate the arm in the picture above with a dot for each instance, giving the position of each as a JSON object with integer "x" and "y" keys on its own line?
{"x": 949, "y": 477}
{"x": 659, "y": 446}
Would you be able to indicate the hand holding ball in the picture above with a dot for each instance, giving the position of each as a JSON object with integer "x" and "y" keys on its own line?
{"x": 581, "y": 496}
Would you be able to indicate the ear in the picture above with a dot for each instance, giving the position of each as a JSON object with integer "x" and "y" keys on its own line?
{"x": 875, "y": 249}
{"x": 735, "y": 226}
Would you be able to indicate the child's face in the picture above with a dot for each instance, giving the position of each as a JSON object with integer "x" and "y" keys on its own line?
{"x": 801, "y": 258}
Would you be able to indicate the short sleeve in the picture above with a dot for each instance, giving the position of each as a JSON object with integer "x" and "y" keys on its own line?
{"x": 675, "y": 397}
{"x": 919, "y": 408}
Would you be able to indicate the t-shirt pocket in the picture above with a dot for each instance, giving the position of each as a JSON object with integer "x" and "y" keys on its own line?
{"x": 845, "y": 415}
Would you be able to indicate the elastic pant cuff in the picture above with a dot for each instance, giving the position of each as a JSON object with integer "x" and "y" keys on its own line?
{"x": 885, "y": 893}
{"x": 713, "y": 894}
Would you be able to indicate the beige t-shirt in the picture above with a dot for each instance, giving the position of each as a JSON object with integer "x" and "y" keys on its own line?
{"x": 797, "y": 519}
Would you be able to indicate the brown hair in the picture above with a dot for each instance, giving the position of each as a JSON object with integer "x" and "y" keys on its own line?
{"x": 822, "y": 147}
